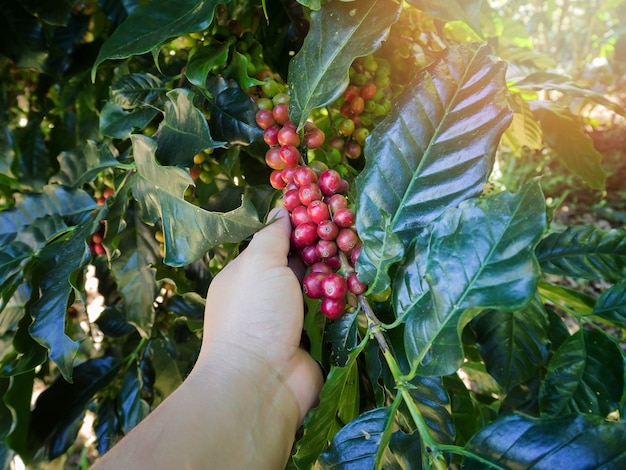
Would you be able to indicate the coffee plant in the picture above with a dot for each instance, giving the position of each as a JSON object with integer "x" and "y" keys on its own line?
{"x": 143, "y": 142}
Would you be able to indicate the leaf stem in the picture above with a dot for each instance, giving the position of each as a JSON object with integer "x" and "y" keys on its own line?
{"x": 432, "y": 448}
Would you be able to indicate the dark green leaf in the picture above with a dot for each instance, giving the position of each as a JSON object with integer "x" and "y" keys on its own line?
{"x": 17, "y": 399}
{"x": 339, "y": 32}
{"x": 406, "y": 450}
{"x": 233, "y": 113}
{"x": 106, "y": 425}
{"x": 564, "y": 132}
{"x": 320, "y": 424}
{"x": 355, "y": 446}
{"x": 168, "y": 374}
{"x": 55, "y": 268}
{"x": 22, "y": 37}
{"x": 205, "y": 59}
{"x": 513, "y": 344}
{"x": 612, "y": 304}
{"x": 584, "y": 251}
{"x": 465, "y": 416}
{"x": 137, "y": 90}
{"x": 134, "y": 273}
{"x": 28, "y": 353}
{"x": 189, "y": 231}
{"x": 451, "y": 10}
{"x": 117, "y": 123}
{"x": 585, "y": 375}
{"x": 59, "y": 406}
{"x": 112, "y": 322}
{"x": 33, "y": 159}
{"x": 184, "y": 131}
{"x": 433, "y": 402}
{"x": 13, "y": 309}
{"x": 481, "y": 255}
{"x": 437, "y": 145}
{"x": 132, "y": 408}
{"x": 82, "y": 165}
{"x": 342, "y": 335}
{"x": 52, "y": 11}
{"x": 577, "y": 441}
{"x": 148, "y": 26}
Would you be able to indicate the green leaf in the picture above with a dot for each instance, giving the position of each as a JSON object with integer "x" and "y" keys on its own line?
{"x": 59, "y": 406}
{"x": 480, "y": 255}
{"x": 189, "y": 230}
{"x": 339, "y": 33}
{"x": 433, "y": 402}
{"x": 106, "y": 425}
{"x": 134, "y": 273}
{"x": 355, "y": 446}
{"x": 137, "y": 90}
{"x": 55, "y": 268}
{"x": 380, "y": 250}
{"x": 611, "y": 305}
{"x": 539, "y": 81}
{"x": 82, "y": 165}
{"x": 233, "y": 112}
{"x": 585, "y": 375}
{"x": 513, "y": 344}
{"x": 184, "y": 131}
{"x": 524, "y": 130}
{"x": 451, "y": 10}
{"x": 564, "y": 132}
{"x": 585, "y": 251}
{"x": 464, "y": 413}
{"x": 168, "y": 374}
{"x": 436, "y": 147}
{"x": 35, "y": 219}
{"x": 117, "y": 123}
{"x": 578, "y": 441}
{"x": 152, "y": 24}
{"x": 561, "y": 295}
{"x": 205, "y": 59}
{"x": 238, "y": 70}
{"x": 112, "y": 322}
{"x": 13, "y": 309}
{"x": 320, "y": 423}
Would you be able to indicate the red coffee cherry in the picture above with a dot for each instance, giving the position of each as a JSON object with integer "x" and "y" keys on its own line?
{"x": 288, "y": 136}
{"x": 344, "y": 217}
{"x": 330, "y": 182}
{"x": 318, "y": 211}
{"x": 309, "y": 193}
{"x": 327, "y": 230}
{"x": 312, "y": 284}
{"x": 354, "y": 285}
{"x": 281, "y": 113}
{"x": 326, "y": 248}
{"x": 304, "y": 175}
{"x": 276, "y": 179}
{"x": 335, "y": 286}
{"x": 347, "y": 240}
{"x": 291, "y": 200}
{"x": 333, "y": 308}
{"x": 304, "y": 235}
{"x": 264, "y": 118}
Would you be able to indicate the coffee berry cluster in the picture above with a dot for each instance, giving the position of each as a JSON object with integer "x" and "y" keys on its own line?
{"x": 323, "y": 224}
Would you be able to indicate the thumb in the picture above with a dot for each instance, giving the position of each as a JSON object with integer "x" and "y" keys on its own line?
{"x": 272, "y": 241}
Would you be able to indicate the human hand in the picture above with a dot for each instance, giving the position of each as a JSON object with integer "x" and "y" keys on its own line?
{"x": 255, "y": 312}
